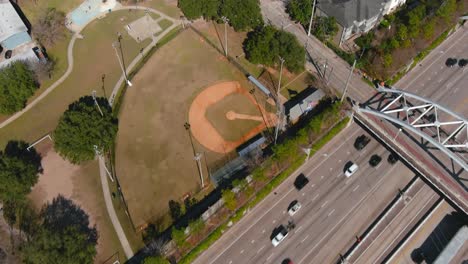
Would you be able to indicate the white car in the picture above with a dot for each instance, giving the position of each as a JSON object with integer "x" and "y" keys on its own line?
{"x": 282, "y": 234}
{"x": 294, "y": 208}
{"x": 351, "y": 170}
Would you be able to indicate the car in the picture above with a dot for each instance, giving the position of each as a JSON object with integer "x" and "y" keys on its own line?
{"x": 392, "y": 158}
{"x": 361, "y": 142}
{"x": 351, "y": 169}
{"x": 462, "y": 63}
{"x": 301, "y": 181}
{"x": 287, "y": 261}
{"x": 294, "y": 207}
{"x": 450, "y": 62}
{"x": 375, "y": 160}
{"x": 280, "y": 236}
{"x": 8, "y": 54}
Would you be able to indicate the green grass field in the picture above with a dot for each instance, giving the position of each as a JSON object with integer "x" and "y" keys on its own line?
{"x": 154, "y": 157}
{"x": 94, "y": 58}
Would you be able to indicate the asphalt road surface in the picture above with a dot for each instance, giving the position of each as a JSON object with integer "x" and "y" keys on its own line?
{"x": 334, "y": 208}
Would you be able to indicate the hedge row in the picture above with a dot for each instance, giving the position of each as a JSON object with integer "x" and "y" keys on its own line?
{"x": 275, "y": 182}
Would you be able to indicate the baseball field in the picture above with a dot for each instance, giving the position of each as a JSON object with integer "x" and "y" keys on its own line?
{"x": 186, "y": 81}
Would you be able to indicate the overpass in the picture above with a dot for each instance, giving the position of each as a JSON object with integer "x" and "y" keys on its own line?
{"x": 435, "y": 144}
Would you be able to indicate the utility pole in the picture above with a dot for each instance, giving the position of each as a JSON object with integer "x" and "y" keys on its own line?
{"x": 278, "y": 102}
{"x": 96, "y": 102}
{"x": 347, "y": 81}
{"x": 198, "y": 157}
{"x": 225, "y": 20}
{"x": 114, "y": 45}
{"x": 311, "y": 18}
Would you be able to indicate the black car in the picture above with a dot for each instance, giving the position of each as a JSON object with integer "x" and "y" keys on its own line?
{"x": 462, "y": 63}
{"x": 361, "y": 142}
{"x": 392, "y": 158}
{"x": 375, "y": 160}
{"x": 300, "y": 181}
{"x": 450, "y": 62}
{"x": 8, "y": 54}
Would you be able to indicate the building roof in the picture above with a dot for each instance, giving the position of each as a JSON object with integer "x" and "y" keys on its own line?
{"x": 348, "y": 11}
{"x": 10, "y": 21}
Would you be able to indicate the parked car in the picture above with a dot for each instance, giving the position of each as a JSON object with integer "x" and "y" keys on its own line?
{"x": 8, "y": 54}
{"x": 294, "y": 207}
{"x": 361, "y": 142}
{"x": 462, "y": 63}
{"x": 450, "y": 62}
{"x": 392, "y": 158}
{"x": 375, "y": 160}
{"x": 287, "y": 261}
{"x": 301, "y": 181}
{"x": 351, "y": 169}
{"x": 280, "y": 236}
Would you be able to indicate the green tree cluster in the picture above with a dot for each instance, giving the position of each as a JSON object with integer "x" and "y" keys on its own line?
{"x": 325, "y": 27}
{"x": 300, "y": 11}
{"x": 17, "y": 84}
{"x": 155, "y": 260}
{"x": 82, "y": 127}
{"x": 266, "y": 44}
{"x": 446, "y": 9}
{"x": 229, "y": 198}
{"x": 242, "y": 15}
{"x": 178, "y": 236}
{"x": 63, "y": 236}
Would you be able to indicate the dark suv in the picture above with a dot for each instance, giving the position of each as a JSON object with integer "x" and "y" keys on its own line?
{"x": 301, "y": 181}
{"x": 450, "y": 62}
{"x": 462, "y": 63}
{"x": 361, "y": 142}
{"x": 375, "y": 160}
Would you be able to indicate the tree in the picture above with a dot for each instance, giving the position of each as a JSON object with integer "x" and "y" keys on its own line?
{"x": 82, "y": 127}
{"x": 189, "y": 203}
{"x": 402, "y": 32}
{"x": 266, "y": 44}
{"x": 388, "y": 60}
{"x": 428, "y": 29}
{"x": 178, "y": 236}
{"x": 175, "y": 210}
{"x": 229, "y": 198}
{"x": 300, "y": 11}
{"x": 155, "y": 260}
{"x": 17, "y": 84}
{"x": 43, "y": 70}
{"x": 447, "y": 9}
{"x": 259, "y": 174}
{"x": 325, "y": 27}
{"x": 19, "y": 170}
{"x": 197, "y": 226}
{"x": 243, "y": 15}
{"x": 192, "y": 9}
{"x": 50, "y": 27}
{"x": 64, "y": 236}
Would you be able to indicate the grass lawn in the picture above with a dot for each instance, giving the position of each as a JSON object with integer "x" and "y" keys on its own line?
{"x": 168, "y": 7}
{"x": 154, "y": 157}
{"x": 94, "y": 58}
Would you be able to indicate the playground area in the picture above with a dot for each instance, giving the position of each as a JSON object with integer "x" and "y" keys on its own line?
{"x": 88, "y": 10}
{"x": 186, "y": 81}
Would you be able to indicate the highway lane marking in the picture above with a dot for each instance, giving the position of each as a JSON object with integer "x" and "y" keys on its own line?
{"x": 331, "y": 169}
{"x": 297, "y": 230}
{"x": 258, "y": 251}
{"x": 325, "y": 203}
{"x": 303, "y": 194}
{"x": 230, "y": 262}
{"x": 339, "y": 160}
{"x": 312, "y": 186}
{"x": 284, "y": 212}
{"x": 355, "y": 188}
{"x": 305, "y": 238}
{"x": 330, "y": 213}
{"x": 247, "y": 229}
{"x": 338, "y": 175}
{"x": 269, "y": 257}
{"x": 347, "y": 152}
{"x": 242, "y": 252}
{"x": 263, "y": 231}
{"x": 321, "y": 177}
{"x": 315, "y": 197}
{"x": 274, "y": 221}
{"x": 253, "y": 241}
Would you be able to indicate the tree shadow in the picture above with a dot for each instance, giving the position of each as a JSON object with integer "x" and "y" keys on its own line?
{"x": 62, "y": 214}
{"x": 19, "y": 149}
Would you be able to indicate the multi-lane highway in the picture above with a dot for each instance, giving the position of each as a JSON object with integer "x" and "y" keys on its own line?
{"x": 334, "y": 208}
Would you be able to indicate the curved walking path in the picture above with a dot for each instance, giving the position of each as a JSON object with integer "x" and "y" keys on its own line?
{"x": 105, "y": 185}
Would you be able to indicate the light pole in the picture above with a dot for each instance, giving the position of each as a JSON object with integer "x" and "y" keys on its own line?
{"x": 311, "y": 18}
{"x": 114, "y": 45}
{"x": 278, "y": 103}
{"x": 347, "y": 81}
{"x": 225, "y": 20}
{"x": 96, "y": 102}
{"x": 399, "y": 130}
{"x": 252, "y": 92}
{"x": 197, "y": 158}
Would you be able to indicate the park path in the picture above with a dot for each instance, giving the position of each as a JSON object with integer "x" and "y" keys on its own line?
{"x": 111, "y": 211}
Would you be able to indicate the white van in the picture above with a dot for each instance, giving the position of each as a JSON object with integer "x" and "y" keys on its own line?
{"x": 351, "y": 170}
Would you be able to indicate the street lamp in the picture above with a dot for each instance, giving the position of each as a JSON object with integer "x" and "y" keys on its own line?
{"x": 196, "y": 155}
{"x": 311, "y": 18}
{"x": 225, "y": 20}
{"x": 114, "y": 45}
{"x": 93, "y": 94}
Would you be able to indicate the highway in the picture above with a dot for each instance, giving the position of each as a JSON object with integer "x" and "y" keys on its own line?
{"x": 334, "y": 208}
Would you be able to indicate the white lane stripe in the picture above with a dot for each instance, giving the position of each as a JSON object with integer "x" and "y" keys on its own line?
{"x": 242, "y": 252}
{"x": 355, "y": 188}
{"x": 269, "y": 257}
{"x": 305, "y": 238}
{"x": 325, "y": 203}
{"x": 297, "y": 230}
{"x": 330, "y": 213}
{"x": 258, "y": 251}
{"x": 315, "y": 197}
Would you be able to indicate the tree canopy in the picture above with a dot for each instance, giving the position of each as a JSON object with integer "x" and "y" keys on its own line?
{"x": 266, "y": 44}
{"x": 242, "y": 15}
{"x": 50, "y": 27}
{"x": 19, "y": 170}
{"x": 17, "y": 84}
{"x": 64, "y": 236}
{"x": 155, "y": 260}
{"x": 82, "y": 127}
{"x": 300, "y": 11}
{"x": 325, "y": 27}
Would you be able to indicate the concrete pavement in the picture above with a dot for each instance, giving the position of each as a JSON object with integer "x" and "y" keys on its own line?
{"x": 334, "y": 208}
